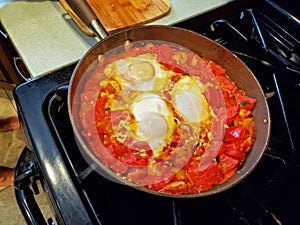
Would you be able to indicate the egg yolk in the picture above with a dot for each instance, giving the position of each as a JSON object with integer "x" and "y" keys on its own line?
{"x": 141, "y": 70}
{"x": 153, "y": 128}
{"x": 155, "y": 122}
{"x": 190, "y": 101}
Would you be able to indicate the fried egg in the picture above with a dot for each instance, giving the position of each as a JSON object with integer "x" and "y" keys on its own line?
{"x": 143, "y": 82}
{"x": 189, "y": 100}
{"x": 141, "y": 73}
{"x": 155, "y": 122}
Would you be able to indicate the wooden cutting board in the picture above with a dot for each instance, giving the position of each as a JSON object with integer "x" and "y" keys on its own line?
{"x": 118, "y": 14}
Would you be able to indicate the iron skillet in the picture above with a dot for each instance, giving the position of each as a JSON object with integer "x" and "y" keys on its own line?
{"x": 238, "y": 72}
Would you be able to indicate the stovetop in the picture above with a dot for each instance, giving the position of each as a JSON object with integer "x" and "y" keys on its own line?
{"x": 268, "y": 195}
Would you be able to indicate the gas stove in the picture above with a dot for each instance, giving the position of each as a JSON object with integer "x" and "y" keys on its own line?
{"x": 266, "y": 37}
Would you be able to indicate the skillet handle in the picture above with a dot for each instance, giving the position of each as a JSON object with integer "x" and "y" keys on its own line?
{"x": 87, "y": 16}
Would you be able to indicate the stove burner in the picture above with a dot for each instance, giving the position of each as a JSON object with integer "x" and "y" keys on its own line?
{"x": 261, "y": 41}
{"x": 281, "y": 44}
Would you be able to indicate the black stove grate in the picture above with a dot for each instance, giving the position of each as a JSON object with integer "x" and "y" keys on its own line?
{"x": 254, "y": 201}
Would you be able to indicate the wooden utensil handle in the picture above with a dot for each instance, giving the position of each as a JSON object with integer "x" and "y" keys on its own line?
{"x": 82, "y": 10}
{"x": 84, "y": 28}
{"x": 86, "y": 14}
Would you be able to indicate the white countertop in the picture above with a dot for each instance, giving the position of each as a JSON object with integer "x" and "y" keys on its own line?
{"x": 47, "y": 39}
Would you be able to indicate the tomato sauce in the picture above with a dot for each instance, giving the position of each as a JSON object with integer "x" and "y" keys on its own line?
{"x": 180, "y": 168}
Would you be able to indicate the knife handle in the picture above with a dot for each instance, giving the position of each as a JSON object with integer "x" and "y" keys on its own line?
{"x": 87, "y": 16}
{"x": 84, "y": 28}
{"x": 82, "y": 10}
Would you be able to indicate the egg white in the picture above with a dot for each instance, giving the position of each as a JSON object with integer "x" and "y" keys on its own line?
{"x": 189, "y": 100}
{"x": 155, "y": 121}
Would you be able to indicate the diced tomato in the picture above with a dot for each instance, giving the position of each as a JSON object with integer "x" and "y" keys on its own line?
{"x": 234, "y": 133}
{"x": 234, "y": 153}
{"x": 118, "y": 115}
{"x": 120, "y": 150}
{"x": 216, "y": 69}
{"x": 99, "y": 109}
{"x": 214, "y": 97}
{"x": 177, "y": 187}
{"x": 222, "y": 149}
{"x": 165, "y": 52}
{"x": 247, "y": 144}
{"x": 158, "y": 182}
{"x": 104, "y": 154}
{"x": 246, "y": 102}
{"x": 229, "y": 165}
{"x": 118, "y": 167}
{"x": 128, "y": 141}
{"x": 226, "y": 84}
{"x": 231, "y": 112}
{"x": 229, "y": 100}
{"x": 103, "y": 127}
{"x": 136, "y": 175}
{"x": 173, "y": 68}
{"x": 128, "y": 155}
{"x": 134, "y": 160}
{"x": 204, "y": 180}
{"x": 141, "y": 145}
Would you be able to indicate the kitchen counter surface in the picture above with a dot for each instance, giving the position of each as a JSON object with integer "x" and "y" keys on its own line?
{"x": 47, "y": 39}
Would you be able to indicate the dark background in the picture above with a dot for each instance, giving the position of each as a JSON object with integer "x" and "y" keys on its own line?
{"x": 291, "y": 6}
